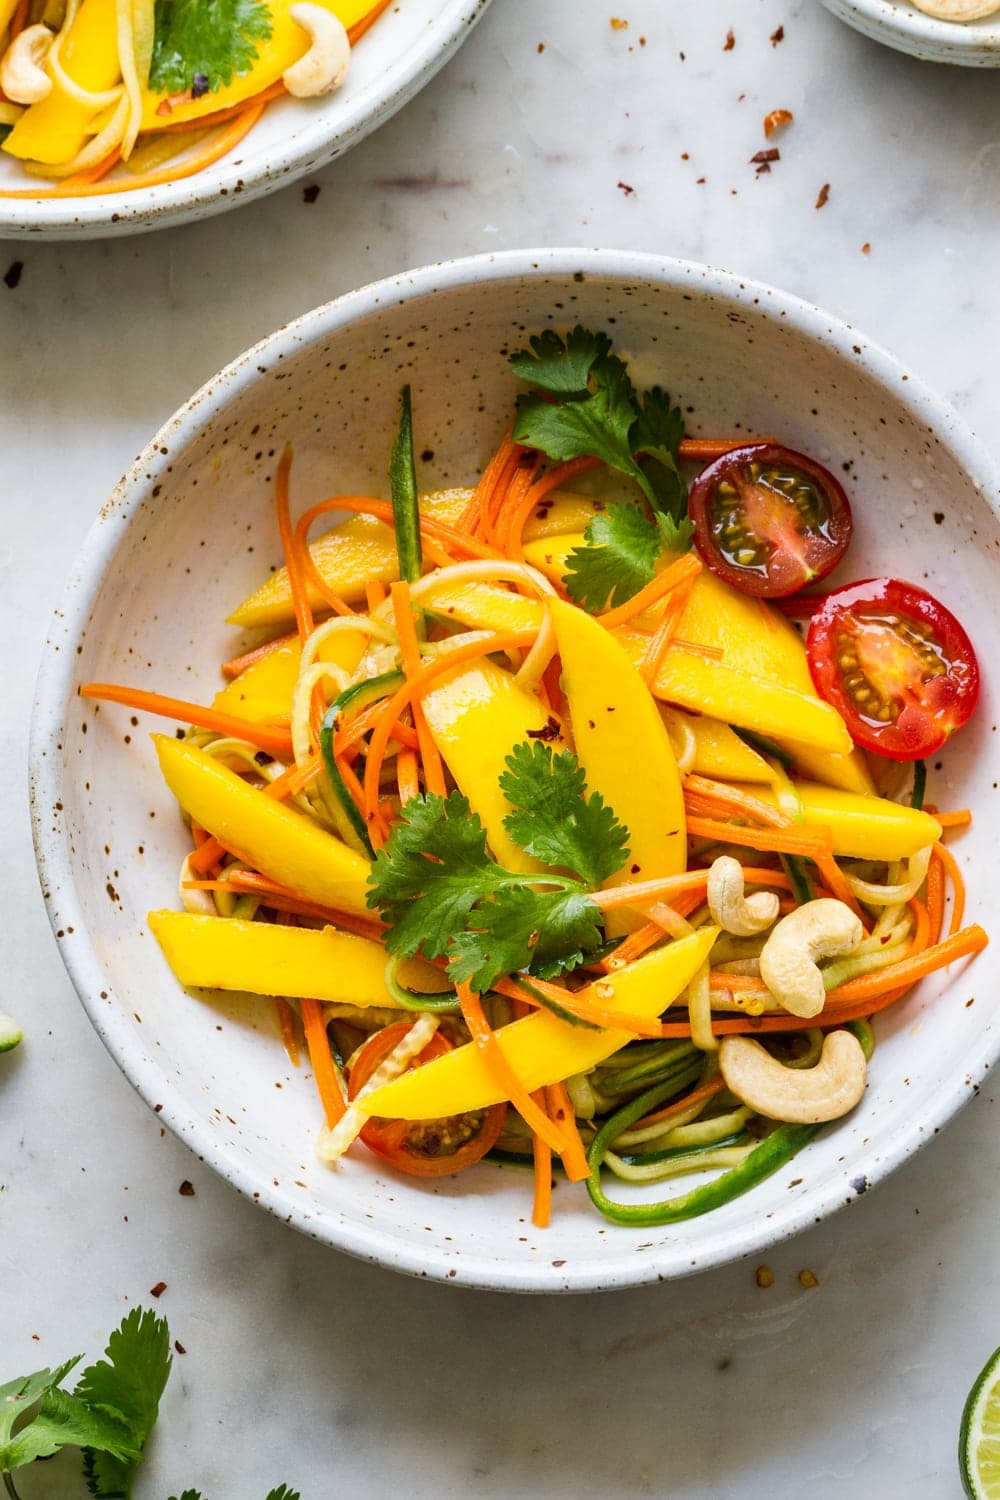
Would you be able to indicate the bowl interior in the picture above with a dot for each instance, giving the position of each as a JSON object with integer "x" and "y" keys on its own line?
{"x": 191, "y": 531}
{"x": 391, "y": 62}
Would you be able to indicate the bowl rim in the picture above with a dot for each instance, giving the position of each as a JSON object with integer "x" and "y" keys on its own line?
{"x": 962, "y": 38}
{"x": 233, "y": 181}
{"x": 54, "y": 695}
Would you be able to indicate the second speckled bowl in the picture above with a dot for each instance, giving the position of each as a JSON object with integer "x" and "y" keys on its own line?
{"x": 968, "y": 44}
{"x": 190, "y": 530}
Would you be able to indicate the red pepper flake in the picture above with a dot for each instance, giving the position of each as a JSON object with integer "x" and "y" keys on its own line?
{"x": 617, "y": 24}
{"x": 685, "y": 156}
{"x": 626, "y": 189}
{"x": 179, "y": 1347}
{"x": 764, "y": 157}
{"x": 730, "y": 41}
{"x": 699, "y": 181}
{"x": 776, "y": 119}
{"x": 866, "y": 249}
{"x": 540, "y": 48}
{"x": 12, "y": 275}
{"x": 158, "y": 1289}
{"x": 186, "y": 1189}
{"x": 777, "y": 36}
{"x": 823, "y": 195}
{"x": 310, "y": 193}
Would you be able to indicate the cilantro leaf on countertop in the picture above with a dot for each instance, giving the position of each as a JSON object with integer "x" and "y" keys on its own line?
{"x": 622, "y": 549}
{"x": 128, "y": 1382}
{"x": 62, "y": 1421}
{"x": 441, "y": 894}
{"x": 214, "y": 40}
{"x": 554, "y": 819}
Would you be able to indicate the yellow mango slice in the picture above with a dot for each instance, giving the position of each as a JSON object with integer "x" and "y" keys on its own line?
{"x": 849, "y": 772}
{"x": 272, "y": 838}
{"x": 624, "y": 748}
{"x": 219, "y": 953}
{"x": 483, "y": 606}
{"x": 263, "y": 691}
{"x": 863, "y": 827}
{"x": 476, "y": 717}
{"x": 56, "y": 128}
{"x": 719, "y": 751}
{"x": 540, "y": 1048}
{"x": 286, "y": 44}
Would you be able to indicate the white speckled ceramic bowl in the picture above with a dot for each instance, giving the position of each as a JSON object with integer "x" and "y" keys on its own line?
{"x": 391, "y": 63}
{"x": 969, "y": 44}
{"x": 190, "y": 530}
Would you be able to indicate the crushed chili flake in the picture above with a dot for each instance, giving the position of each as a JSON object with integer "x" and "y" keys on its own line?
{"x": 549, "y": 731}
{"x": 626, "y": 189}
{"x": 310, "y": 193}
{"x": 12, "y": 275}
{"x": 186, "y": 1189}
{"x": 763, "y": 157}
{"x": 823, "y": 195}
{"x": 158, "y": 1289}
{"x": 777, "y": 36}
{"x": 776, "y": 119}
{"x": 730, "y": 41}
{"x": 179, "y": 1347}
{"x": 866, "y": 249}
{"x": 617, "y": 24}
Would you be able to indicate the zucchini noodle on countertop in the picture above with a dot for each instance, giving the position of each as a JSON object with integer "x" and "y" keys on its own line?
{"x": 537, "y": 831}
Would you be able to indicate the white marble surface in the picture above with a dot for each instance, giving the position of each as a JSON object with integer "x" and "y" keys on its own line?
{"x": 300, "y": 1364}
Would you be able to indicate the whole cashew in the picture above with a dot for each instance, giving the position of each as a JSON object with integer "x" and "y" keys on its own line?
{"x": 957, "y": 10}
{"x": 324, "y": 67}
{"x": 22, "y": 74}
{"x": 819, "y": 929}
{"x": 800, "y": 1096}
{"x": 743, "y": 916}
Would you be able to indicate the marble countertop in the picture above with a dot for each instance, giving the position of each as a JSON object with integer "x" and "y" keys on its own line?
{"x": 552, "y": 126}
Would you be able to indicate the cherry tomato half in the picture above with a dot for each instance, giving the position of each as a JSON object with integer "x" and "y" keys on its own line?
{"x": 424, "y": 1148}
{"x": 896, "y": 664}
{"x": 768, "y": 520}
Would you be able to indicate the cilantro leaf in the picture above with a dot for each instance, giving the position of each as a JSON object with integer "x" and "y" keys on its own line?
{"x": 545, "y": 932}
{"x": 561, "y": 366}
{"x": 284, "y": 1493}
{"x": 619, "y": 558}
{"x": 597, "y": 426}
{"x": 211, "y": 39}
{"x": 555, "y": 820}
{"x": 431, "y": 873}
{"x": 63, "y": 1421}
{"x": 127, "y": 1384}
{"x": 656, "y": 436}
{"x": 189, "y": 1495}
{"x": 17, "y": 1396}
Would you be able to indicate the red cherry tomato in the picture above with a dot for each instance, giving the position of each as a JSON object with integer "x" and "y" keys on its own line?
{"x": 424, "y": 1148}
{"x": 896, "y": 664}
{"x": 768, "y": 520}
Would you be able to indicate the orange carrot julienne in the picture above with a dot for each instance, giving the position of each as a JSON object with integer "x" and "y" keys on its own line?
{"x": 485, "y": 1038}
{"x": 660, "y": 642}
{"x": 276, "y": 741}
{"x": 437, "y": 537}
{"x": 407, "y": 779}
{"x": 300, "y": 600}
{"x": 197, "y": 161}
{"x": 521, "y": 513}
{"x": 777, "y": 840}
{"x": 272, "y": 893}
{"x": 935, "y": 897}
{"x": 238, "y": 664}
{"x": 702, "y": 1093}
{"x": 676, "y": 573}
{"x": 706, "y": 450}
{"x": 409, "y": 651}
{"x": 960, "y": 818}
{"x": 324, "y": 1072}
{"x": 468, "y": 521}
{"x": 947, "y": 860}
{"x": 541, "y": 1208}
{"x": 218, "y": 116}
{"x": 642, "y": 891}
{"x": 375, "y": 594}
{"x": 577, "y": 1005}
{"x": 560, "y": 1110}
{"x": 286, "y": 1024}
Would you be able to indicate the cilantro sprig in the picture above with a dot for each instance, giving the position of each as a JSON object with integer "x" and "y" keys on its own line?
{"x": 205, "y": 44}
{"x": 108, "y": 1416}
{"x": 443, "y": 896}
{"x": 585, "y": 406}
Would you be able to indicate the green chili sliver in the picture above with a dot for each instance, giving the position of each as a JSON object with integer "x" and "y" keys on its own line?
{"x": 642, "y": 1159}
{"x": 919, "y": 785}
{"x": 358, "y": 695}
{"x": 403, "y": 489}
{"x": 553, "y": 1005}
{"x": 438, "y": 1002}
{"x": 767, "y": 1157}
{"x": 795, "y": 868}
{"x": 764, "y": 746}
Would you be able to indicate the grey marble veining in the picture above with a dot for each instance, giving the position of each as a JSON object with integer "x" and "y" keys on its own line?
{"x": 550, "y": 127}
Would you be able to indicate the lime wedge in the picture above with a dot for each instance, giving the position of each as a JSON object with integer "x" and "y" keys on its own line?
{"x": 979, "y": 1439}
{"x": 10, "y": 1033}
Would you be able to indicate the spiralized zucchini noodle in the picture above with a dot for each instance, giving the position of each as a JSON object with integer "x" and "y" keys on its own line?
{"x": 542, "y": 883}
{"x": 110, "y": 96}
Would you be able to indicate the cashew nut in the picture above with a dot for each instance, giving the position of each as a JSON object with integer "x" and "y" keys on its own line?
{"x": 22, "y": 73}
{"x": 743, "y": 916}
{"x": 801, "y": 1096}
{"x": 324, "y": 67}
{"x": 957, "y": 10}
{"x": 199, "y": 903}
{"x": 819, "y": 929}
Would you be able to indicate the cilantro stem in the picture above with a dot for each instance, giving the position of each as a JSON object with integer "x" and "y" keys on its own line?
{"x": 8, "y": 1484}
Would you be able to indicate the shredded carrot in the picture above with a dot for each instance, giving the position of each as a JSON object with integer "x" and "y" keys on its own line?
{"x": 300, "y": 599}
{"x": 706, "y": 450}
{"x": 204, "y": 156}
{"x": 468, "y": 521}
{"x": 660, "y": 642}
{"x": 504, "y": 1077}
{"x": 324, "y": 1072}
{"x": 935, "y": 897}
{"x": 286, "y": 1024}
{"x": 276, "y": 741}
{"x": 94, "y": 173}
{"x": 407, "y": 778}
{"x": 945, "y": 858}
{"x": 576, "y": 1005}
{"x": 541, "y": 1208}
{"x": 414, "y": 687}
{"x": 515, "y": 476}
{"x": 702, "y": 1093}
{"x": 640, "y": 892}
{"x": 238, "y": 664}
{"x": 281, "y": 898}
{"x": 520, "y": 513}
{"x": 207, "y": 856}
{"x": 561, "y": 1111}
{"x": 676, "y": 573}
{"x": 439, "y": 540}
{"x": 779, "y": 840}
{"x": 409, "y": 652}
{"x": 960, "y": 818}
{"x": 218, "y": 116}
{"x": 375, "y": 594}
{"x": 357, "y": 31}
{"x": 19, "y": 19}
